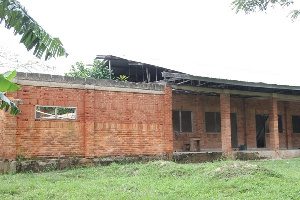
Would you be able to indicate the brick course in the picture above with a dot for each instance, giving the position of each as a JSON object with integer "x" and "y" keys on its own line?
{"x": 129, "y": 119}
{"x": 108, "y": 123}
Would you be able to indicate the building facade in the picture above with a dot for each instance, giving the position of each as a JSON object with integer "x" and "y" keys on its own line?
{"x": 67, "y": 116}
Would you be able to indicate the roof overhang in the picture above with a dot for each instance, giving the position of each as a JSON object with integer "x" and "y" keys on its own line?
{"x": 184, "y": 83}
{"x": 234, "y": 93}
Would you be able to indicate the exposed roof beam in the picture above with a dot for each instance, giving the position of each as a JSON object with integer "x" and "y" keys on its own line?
{"x": 236, "y": 92}
{"x": 230, "y": 82}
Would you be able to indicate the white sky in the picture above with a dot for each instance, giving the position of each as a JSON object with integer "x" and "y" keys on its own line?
{"x": 198, "y": 37}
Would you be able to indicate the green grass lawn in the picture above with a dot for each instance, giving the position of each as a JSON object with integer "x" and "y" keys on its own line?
{"x": 278, "y": 179}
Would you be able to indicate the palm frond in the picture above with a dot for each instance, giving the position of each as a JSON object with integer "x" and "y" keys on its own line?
{"x": 5, "y": 104}
{"x": 7, "y": 85}
{"x": 33, "y": 35}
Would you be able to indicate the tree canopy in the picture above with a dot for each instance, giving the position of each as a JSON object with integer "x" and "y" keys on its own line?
{"x": 98, "y": 71}
{"x": 249, "y": 6}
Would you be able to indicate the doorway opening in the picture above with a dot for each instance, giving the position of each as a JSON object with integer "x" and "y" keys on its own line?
{"x": 262, "y": 127}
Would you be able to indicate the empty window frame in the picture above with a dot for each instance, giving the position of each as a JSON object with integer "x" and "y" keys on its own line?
{"x": 55, "y": 112}
{"x": 212, "y": 122}
{"x": 296, "y": 123}
{"x": 280, "y": 124}
{"x": 182, "y": 121}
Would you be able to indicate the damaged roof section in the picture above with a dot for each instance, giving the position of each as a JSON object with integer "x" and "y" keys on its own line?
{"x": 213, "y": 86}
{"x": 136, "y": 71}
{"x": 185, "y": 83}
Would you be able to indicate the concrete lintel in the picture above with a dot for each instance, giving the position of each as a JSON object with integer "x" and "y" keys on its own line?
{"x": 87, "y": 87}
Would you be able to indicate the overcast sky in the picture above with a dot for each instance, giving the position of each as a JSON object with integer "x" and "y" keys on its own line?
{"x": 204, "y": 38}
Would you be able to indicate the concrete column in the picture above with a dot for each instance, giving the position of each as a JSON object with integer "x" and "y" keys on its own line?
{"x": 225, "y": 122}
{"x": 288, "y": 125}
{"x": 273, "y": 124}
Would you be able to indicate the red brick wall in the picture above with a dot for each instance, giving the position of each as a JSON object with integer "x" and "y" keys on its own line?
{"x": 294, "y": 109}
{"x": 225, "y": 122}
{"x": 273, "y": 124}
{"x": 199, "y": 105}
{"x": 8, "y": 133}
{"x": 168, "y": 127}
{"x": 188, "y": 103}
{"x": 129, "y": 124}
{"x": 246, "y": 109}
{"x": 256, "y": 106}
{"x": 284, "y": 136}
{"x": 50, "y": 137}
{"x": 108, "y": 123}
{"x": 2, "y": 116}
{"x": 124, "y": 123}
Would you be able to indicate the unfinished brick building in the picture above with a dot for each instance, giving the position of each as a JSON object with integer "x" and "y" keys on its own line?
{"x": 158, "y": 111}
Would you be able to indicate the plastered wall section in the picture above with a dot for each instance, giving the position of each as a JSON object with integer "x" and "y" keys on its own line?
{"x": 117, "y": 122}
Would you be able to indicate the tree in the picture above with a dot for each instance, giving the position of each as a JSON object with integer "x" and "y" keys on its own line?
{"x": 98, "y": 71}
{"x": 78, "y": 70}
{"x": 249, "y": 6}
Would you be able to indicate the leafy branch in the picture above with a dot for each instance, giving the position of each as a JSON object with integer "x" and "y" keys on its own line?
{"x": 33, "y": 35}
{"x": 250, "y": 6}
{"x": 7, "y": 85}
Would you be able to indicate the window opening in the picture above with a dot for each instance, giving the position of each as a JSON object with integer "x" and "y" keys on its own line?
{"x": 212, "y": 122}
{"x": 296, "y": 123}
{"x": 182, "y": 121}
{"x": 280, "y": 125}
{"x": 54, "y": 112}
